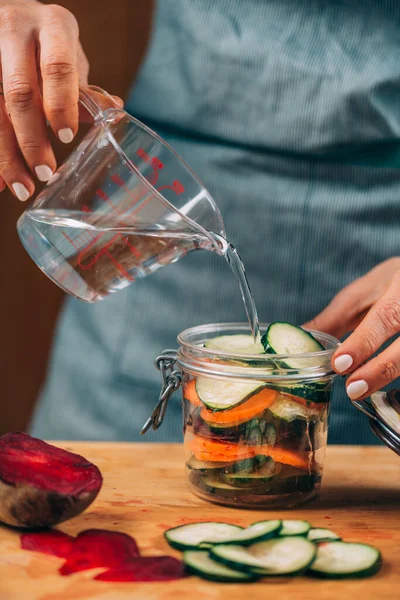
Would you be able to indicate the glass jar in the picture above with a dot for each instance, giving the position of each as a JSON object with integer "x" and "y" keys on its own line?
{"x": 268, "y": 449}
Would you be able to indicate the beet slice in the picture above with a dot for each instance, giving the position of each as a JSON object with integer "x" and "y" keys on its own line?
{"x": 52, "y": 542}
{"x": 99, "y": 548}
{"x": 41, "y": 485}
{"x": 146, "y": 568}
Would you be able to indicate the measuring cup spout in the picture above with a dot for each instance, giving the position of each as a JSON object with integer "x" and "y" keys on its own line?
{"x": 95, "y": 100}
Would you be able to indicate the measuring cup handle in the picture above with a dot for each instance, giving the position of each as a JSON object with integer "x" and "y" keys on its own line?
{"x": 96, "y": 100}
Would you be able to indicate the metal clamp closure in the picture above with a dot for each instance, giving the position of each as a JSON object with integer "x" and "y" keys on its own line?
{"x": 171, "y": 381}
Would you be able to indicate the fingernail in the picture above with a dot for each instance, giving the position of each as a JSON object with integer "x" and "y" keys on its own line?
{"x": 43, "y": 172}
{"x": 343, "y": 362}
{"x": 356, "y": 389}
{"x": 66, "y": 135}
{"x": 20, "y": 191}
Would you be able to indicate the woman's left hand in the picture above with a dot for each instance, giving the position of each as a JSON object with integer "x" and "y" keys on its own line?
{"x": 370, "y": 307}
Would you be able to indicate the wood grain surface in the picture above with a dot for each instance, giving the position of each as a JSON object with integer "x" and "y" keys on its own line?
{"x": 145, "y": 493}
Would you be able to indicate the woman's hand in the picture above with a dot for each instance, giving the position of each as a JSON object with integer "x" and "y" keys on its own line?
{"x": 43, "y": 65}
{"x": 371, "y": 307}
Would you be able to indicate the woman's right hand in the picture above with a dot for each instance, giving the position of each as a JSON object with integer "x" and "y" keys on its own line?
{"x": 43, "y": 65}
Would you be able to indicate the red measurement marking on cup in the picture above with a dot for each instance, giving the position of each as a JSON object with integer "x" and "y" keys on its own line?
{"x": 105, "y": 250}
{"x": 85, "y": 241}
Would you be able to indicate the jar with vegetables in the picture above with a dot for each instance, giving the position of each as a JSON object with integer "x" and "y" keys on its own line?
{"x": 255, "y": 412}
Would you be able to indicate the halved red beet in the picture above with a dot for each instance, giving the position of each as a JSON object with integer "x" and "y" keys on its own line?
{"x": 146, "y": 568}
{"x": 52, "y": 542}
{"x": 99, "y": 548}
{"x": 41, "y": 485}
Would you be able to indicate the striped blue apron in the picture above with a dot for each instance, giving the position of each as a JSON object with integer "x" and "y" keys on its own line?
{"x": 290, "y": 113}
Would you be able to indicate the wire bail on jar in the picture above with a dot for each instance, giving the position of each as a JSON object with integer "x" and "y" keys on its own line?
{"x": 171, "y": 381}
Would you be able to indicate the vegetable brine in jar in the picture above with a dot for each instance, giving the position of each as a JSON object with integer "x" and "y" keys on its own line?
{"x": 255, "y": 413}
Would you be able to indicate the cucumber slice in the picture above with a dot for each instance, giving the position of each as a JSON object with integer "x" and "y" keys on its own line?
{"x": 280, "y": 556}
{"x": 257, "y": 532}
{"x": 340, "y": 560}
{"x": 321, "y": 535}
{"x": 204, "y": 467}
{"x": 259, "y": 475}
{"x": 284, "y": 338}
{"x": 287, "y": 409}
{"x": 189, "y": 537}
{"x": 237, "y": 344}
{"x": 312, "y": 392}
{"x": 217, "y": 394}
{"x": 199, "y": 563}
{"x": 292, "y": 527}
{"x": 217, "y": 486}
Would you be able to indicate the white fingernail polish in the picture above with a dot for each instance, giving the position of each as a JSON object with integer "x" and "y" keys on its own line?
{"x": 66, "y": 135}
{"x": 43, "y": 172}
{"x": 343, "y": 362}
{"x": 20, "y": 191}
{"x": 356, "y": 389}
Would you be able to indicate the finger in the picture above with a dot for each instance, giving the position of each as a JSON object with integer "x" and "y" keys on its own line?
{"x": 380, "y": 324}
{"x": 376, "y": 374}
{"x": 345, "y": 310}
{"x": 58, "y": 41}
{"x": 24, "y": 104}
{"x": 2, "y": 185}
{"x": 12, "y": 166}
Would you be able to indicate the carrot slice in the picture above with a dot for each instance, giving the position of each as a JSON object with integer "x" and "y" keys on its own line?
{"x": 212, "y": 450}
{"x": 244, "y": 412}
{"x": 189, "y": 393}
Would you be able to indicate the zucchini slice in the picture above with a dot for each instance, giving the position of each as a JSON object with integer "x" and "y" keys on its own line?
{"x": 279, "y": 556}
{"x": 218, "y": 394}
{"x": 259, "y": 475}
{"x": 205, "y": 467}
{"x": 292, "y": 527}
{"x": 257, "y": 532}
{"x": 284, "y": 338}
{"x": 322, "y": 535}
{"x": 318, "y": 392}
{"x": 340, "y": 560}
{"x": 238, "y": 344}
{"x": 199, "y": 563}
{"x": 190, "y": 537}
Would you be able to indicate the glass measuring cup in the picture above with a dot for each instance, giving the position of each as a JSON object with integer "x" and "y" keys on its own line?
{"x": 121, "y": 206}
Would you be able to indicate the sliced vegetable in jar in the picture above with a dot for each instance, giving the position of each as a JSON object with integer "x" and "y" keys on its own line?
{"x": 190, "y": 393}
{"x": 286, "y": 408}
{"x": 236, "y": 344}
{"x": 279, "y": 556}
{"x": 198, "y": 562}
{"x": 255, "y": 405}
{"x": 257, "y": 475}
{"x": 219, "y": 395}
{"x": 198, "y": 465}
{"x": 308, "y": 394}
{"x": 284, "y": 338}
{"x": 321, "y": 535}
{"x": 213, "y": 450}
{"x": 340, "y": 560}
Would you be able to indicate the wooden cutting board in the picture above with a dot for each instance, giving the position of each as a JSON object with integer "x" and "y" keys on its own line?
{"x": 144, "y": 493}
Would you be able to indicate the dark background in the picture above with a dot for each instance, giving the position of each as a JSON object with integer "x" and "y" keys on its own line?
{"x": 114, "y": 35}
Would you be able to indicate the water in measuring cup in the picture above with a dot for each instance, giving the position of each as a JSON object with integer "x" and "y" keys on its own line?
{"x": 92, "y": 256}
